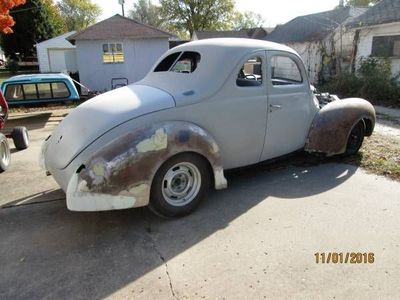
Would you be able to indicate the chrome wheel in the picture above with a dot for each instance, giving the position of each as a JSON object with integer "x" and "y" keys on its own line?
{"x": 181, "y": 184}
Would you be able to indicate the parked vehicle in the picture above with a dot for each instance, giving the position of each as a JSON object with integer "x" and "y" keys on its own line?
{"x": 39, "y": 88}
{"x": 19, "y": 135}
{"x": 207, "y": 106}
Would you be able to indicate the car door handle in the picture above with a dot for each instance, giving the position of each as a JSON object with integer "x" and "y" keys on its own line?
{"x": 273, "y": 107}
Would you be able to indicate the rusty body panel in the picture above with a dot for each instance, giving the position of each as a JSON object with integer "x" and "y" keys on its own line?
{"x": 125, "y": 167}
{"x": 332, "y": 125}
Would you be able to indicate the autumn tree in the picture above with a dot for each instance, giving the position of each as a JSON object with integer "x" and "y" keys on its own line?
{"x": 191, "y": 15}
{"x": 55, "y": 17}
{"x": 32, "y": 26}
{"x": 79, "y": 14}
{"x": 146, "y": 12}
{"x": 7, "y": 21}
{"x": 247, "y": 20}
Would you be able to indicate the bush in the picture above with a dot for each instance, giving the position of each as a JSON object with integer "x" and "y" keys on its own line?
{"x": 372, "y": 81}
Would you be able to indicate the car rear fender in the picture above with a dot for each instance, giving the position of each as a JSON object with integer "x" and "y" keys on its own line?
{"x": 332, "y": 125}
{"x": 121, "y": 172}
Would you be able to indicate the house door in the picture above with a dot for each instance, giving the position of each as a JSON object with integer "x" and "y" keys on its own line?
{"x": 290, "y": 105}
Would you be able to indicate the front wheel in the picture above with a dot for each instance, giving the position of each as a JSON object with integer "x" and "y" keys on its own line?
{"x": 5, "y": 155}
{"x": 356, "y": 138}
{"x": 180, "y": 185}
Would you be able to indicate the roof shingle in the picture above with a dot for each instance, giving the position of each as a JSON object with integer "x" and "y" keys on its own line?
{"x": 119, "y": 27}
{"x": 385, "y": 11}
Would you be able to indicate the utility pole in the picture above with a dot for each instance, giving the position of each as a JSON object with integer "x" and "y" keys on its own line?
{"x": 122, "y": 2}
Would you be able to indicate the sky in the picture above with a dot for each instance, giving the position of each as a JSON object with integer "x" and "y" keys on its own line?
{"x": 273, "y": 11}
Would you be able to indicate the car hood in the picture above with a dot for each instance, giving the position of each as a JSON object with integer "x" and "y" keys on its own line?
{"x": 100, "y": 114}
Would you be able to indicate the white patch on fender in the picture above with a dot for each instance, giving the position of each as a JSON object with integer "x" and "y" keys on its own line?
{"x": 158, "y": 141}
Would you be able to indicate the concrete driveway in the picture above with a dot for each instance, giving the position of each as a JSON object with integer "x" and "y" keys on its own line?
{"x": 255, "y": 240}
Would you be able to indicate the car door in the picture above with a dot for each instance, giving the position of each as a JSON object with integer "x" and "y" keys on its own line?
{"x": 290, "y": 110}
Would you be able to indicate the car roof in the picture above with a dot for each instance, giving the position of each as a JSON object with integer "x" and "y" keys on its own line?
{"x": 246, "y": 45}
{"x": 37, "y": 78}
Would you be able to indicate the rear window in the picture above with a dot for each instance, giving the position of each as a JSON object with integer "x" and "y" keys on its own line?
{"x": 179, "y": 62}
{"x": 32, "y": 91}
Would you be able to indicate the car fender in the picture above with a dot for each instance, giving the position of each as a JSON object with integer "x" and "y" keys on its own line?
{"x": 332, "y": 125}
{"x": 120, "y": 174}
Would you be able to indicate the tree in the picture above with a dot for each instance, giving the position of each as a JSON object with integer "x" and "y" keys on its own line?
{"x": 191, "y": 15}
{"x": 146, "y": 12}
{"x": 7, "y": 21}
{"x": 361, "y": 3}
{"x": 55, "y": 17}
{"x": 78, "y": 14}
{"x": 32, "y": 26}
{"x": 247, "y": 20}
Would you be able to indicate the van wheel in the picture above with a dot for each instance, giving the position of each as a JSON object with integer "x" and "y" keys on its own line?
{"x": 5, "y": 155}
{"x": 20, "y": 137}
{"x": 356, "y": 138}
{"x": 179, "y": 185}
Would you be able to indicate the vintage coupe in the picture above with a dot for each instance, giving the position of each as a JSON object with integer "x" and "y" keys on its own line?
{"x": 205, "y": 107}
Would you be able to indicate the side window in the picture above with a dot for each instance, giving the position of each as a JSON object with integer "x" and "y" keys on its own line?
{"x": 285, "y": 71}
{"x": 113, "y": 53}
{"x": 250, "y": 73}
{"x": 30, "y": 91}
{"x": 60, "y": 90}
{"x": 167, "y": 62}
{"x": 44, "y": 90}
{"x": 14, "y": 92}
{"x": 187, "y": 62}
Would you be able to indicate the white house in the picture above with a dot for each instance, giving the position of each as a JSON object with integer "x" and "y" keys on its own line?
{"x": 118, "y": 49}
{"x": 321, "y": 39}
{"x": 57, "y": 55}
{"x": 377, "y": 33}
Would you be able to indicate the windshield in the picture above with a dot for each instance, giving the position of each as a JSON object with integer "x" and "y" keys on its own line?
{"x": 179, "y": 62}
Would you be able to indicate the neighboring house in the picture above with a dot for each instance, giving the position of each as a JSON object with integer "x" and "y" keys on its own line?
{"x": 117, "y": 47}
{"x": 252, "y": 33}
{"x": 57, "y": 55}
{"x": 377, "y": 33}
{"x": 321, "y": 40}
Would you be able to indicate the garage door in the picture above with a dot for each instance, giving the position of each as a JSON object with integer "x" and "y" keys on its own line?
{"x": 57, "y": 60}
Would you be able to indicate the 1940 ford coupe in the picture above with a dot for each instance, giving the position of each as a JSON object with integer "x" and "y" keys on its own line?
{"x": 205, "y": 107}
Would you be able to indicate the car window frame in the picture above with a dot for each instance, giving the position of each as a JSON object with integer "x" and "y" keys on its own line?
{"x": 260, "y": 54}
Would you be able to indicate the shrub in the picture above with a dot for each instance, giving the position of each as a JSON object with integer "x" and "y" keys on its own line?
{"x": 372, "y": 81}
{"x": 12, "y": 66}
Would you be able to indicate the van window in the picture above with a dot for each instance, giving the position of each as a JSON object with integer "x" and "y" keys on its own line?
{"x": 14, "y": 92}
{"x": 60, "y": 90}
{"x": 30, "y": 91}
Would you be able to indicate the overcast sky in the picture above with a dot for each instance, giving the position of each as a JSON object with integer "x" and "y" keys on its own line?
{"x": 273, "y": 11}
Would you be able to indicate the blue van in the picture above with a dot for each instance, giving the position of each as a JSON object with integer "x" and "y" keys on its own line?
{"x": 39, "y": 88}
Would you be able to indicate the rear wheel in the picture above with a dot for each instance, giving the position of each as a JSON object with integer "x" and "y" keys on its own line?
{"x": 356, "y": 138}
{"x": 180, "y": 185}
{"x": 20, "y": 137}
{"x": 5, "y": 155}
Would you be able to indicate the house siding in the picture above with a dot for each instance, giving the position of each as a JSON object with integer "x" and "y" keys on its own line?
{"x": 366, "y": 37}
{"x": 139, "y": 57}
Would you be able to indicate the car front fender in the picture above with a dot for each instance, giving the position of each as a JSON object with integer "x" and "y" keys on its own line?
{"x": 332, "y": 125}
{"x": 119, "y": 175}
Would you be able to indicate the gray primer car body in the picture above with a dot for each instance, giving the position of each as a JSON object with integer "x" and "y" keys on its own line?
{"x": 106, "y": 153}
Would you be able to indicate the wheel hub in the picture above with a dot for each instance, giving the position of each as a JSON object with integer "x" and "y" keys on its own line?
{"x": 181, "y": 184}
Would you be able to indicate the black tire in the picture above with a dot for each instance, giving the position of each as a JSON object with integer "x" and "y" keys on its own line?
{"x": 20, "y": 137}
{"x": 355, "y": 139}
{"x": 161, "y": 199}
{"x": 5, "y": 154}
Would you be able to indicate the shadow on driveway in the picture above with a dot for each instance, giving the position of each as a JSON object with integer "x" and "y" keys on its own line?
{"x": 48, "y": 251}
